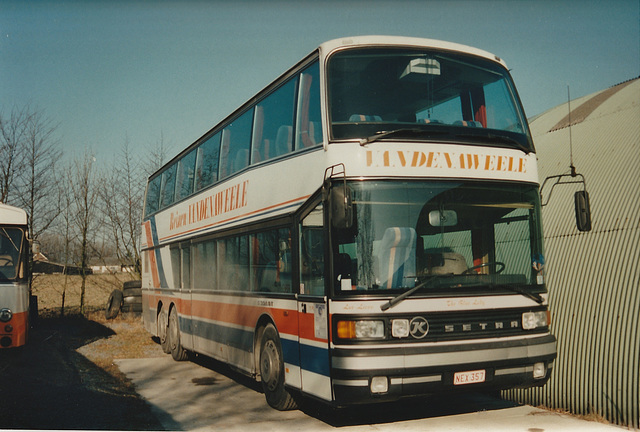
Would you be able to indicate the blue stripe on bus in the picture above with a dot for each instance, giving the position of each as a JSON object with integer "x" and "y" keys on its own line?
{"x": 290, "y": 352}
{"x": 234, "y": 337}
{"x": 315, "y": 359}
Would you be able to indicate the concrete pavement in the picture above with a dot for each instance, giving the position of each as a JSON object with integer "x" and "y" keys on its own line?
{"x": 206, "y": 395}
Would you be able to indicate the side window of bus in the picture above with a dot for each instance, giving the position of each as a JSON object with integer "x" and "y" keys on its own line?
{"x": 207, "y": 162}
{"x": 167, "y": 191}
{"x": 175, "y": 266}
{"x": 203, "y": 258}
{"x": 308, "y": 118}
{"x": 273, "y": 124}
{"x": 271, "y": 261}
{"x": 153, "y": 195}
{"x": 233, "y": 264}
{"x": 236, "y": 141}
{"x": 186, "y": 267}
{"x": 185, "y": 175}
{"x": 312, "y": 253}
{"x": 181, "y": 266}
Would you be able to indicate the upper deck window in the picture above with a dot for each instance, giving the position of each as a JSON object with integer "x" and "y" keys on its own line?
{"x": 424, "y": 95}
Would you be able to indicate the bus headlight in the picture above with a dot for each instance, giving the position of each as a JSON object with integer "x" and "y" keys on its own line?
{"x": 365, "y": 329}
{"x": 400, "y": 328}
{"x": 533, "y": 320}
{"x": 5, "y": 314}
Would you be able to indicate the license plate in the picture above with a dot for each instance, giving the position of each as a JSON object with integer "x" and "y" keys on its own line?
{"x": 471, "y": 377}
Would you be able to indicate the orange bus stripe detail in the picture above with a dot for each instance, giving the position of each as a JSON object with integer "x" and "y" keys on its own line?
{"x": 155, "y": 277}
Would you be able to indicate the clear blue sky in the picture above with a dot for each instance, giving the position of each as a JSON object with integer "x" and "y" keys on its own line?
{"x": 108, "y": 71}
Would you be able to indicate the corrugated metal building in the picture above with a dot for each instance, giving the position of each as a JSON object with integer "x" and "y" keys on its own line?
{"x": 594, "y": 277}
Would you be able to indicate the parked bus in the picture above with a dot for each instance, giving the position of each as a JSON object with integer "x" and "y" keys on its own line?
{"x": 15, "y": 292}
{"x": 365, "y": 228}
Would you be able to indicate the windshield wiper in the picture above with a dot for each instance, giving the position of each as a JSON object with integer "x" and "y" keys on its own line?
{"x": 384, "y": 134}
{"x": 394, "y": 301}
{"x": 500, "y": 138}
{"x": 533, "y": 296}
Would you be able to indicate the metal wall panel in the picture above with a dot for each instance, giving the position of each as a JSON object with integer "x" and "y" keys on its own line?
{"x": 594, "y": 277}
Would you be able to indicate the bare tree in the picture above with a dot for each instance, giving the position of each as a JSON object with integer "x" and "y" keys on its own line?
{"x": 37, "y": 180}
{"x": 156, "y": 157}
{"x": 66, "y": 203}
{"x": 12, "y": 133}
{"x": 122, "y": 194}
{"x": 83, "y": 193}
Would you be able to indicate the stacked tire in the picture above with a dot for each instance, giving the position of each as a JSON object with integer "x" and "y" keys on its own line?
{"x": 132, "y": 293}
{"x": 129, "y": 299}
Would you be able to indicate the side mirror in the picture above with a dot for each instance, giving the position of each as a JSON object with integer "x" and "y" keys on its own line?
{"x": 583, "y": 211}
{"x": 341, "y": 207}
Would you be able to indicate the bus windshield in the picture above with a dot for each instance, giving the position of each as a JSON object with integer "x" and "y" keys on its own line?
{"x": 457, "y": 235}
{"x": 424, "y": 95}
{"x": 10, "y": 252}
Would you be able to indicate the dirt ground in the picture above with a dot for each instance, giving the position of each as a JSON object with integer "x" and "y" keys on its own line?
{"x": 65, "y": 378}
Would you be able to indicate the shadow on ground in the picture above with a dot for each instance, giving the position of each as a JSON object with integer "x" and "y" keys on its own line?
{"x": 48, "y": 385}
{"x": 390, "y": 412}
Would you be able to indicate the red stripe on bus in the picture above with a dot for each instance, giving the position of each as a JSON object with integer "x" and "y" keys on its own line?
{"x": 286, "y": 320}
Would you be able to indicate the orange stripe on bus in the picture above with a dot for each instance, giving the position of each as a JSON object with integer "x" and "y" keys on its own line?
{"x": 155, "y": 277}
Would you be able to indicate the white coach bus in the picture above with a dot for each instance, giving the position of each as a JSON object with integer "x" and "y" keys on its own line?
{"x": 365, "y": 228}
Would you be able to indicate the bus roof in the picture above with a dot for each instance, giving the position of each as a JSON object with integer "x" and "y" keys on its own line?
{"x": 324, "y": 49}
{"x": 10, "y": 215}
{"x": 334, "y": 44}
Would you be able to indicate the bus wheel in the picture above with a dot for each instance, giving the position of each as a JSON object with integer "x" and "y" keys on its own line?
{"x": 272, "y": 371}
{"x": 177, "y": 351}
{"x": 162, "y": 332}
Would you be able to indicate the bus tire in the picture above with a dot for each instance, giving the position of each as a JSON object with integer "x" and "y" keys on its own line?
{"x": 163, "y": 332}
{"x": 113, "y": 304}
{"x": 177, "y": 351}
{"x": 272, "y": 371}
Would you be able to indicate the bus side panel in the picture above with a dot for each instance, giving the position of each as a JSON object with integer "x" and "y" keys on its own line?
{"x": 314, "y": 349}
{"x": 224, "y": 328}
{"x": 153, "y": 276}
{"x": 149, "y": 312}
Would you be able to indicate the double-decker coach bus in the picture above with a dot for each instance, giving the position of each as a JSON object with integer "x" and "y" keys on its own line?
{"x": 14, "y": 277}
{"x": 367, "y": 227}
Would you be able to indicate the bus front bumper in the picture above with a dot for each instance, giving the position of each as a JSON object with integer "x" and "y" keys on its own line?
{"x": 363, "y": 375}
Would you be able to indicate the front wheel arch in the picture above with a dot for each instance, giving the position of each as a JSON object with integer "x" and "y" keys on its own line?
{"x": 271, "y": 367}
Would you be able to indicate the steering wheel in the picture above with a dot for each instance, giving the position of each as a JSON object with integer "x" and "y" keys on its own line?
{"x": 500, "y": 267}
